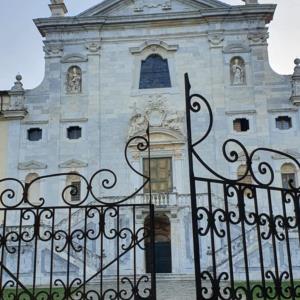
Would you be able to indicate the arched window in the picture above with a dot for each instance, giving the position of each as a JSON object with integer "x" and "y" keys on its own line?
{"x": 74, "y": 80}
{"x": 163, "y": 253}
{"x": 237, "y": 71}
{"x": 73, "y": 192}
{"x": 34, "y": 189}
{"x": 288, "y": 173}
{"x": 154, "y": 73}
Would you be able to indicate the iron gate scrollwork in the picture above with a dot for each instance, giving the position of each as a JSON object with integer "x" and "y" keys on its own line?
{"x": 246, "y": 230}
{"x": 91, "y": 248}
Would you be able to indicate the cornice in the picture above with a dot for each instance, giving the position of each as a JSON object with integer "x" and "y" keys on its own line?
{"x": 246, "y": 12}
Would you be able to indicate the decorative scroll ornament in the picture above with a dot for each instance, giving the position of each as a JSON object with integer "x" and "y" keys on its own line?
{"x": 53, "y": 49}
{"x": 215, "y": 39}
{"x": 262, "y": 172}
{"x": 258, "y": 37}
{"x": 266, "y": 216}
{"x": 75, "y": 242}
{"x": 156, "y": 114}
{"x": 93, "y": 46}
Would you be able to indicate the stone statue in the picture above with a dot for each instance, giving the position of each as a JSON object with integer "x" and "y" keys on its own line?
{"x": 137, "y": 123}
{"x": 237, "y": 72}
{"x": 74, "y": 80}
{"x": 175, "y": 121}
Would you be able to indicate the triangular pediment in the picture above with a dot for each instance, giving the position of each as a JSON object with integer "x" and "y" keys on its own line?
{"x": 73, "y": 163}
{"x": 31, "y": 165}
{"x": 135, "y": 7}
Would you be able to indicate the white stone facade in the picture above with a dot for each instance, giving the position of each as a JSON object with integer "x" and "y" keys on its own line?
{"x": 92, "y": 72}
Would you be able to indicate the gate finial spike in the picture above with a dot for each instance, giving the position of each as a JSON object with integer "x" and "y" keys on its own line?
{"x": 187, "y": 81}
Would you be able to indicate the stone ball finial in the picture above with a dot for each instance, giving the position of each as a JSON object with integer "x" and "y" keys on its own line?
{"x": 297, "y": 62}
{"x": 19, "y": 77}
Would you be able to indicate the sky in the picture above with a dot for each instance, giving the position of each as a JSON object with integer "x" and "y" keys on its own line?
{"x": 21, "y": 43}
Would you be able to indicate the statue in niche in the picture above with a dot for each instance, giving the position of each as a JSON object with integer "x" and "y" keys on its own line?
{"x": 74, "y": 80}
{"x": 237, "y": 71}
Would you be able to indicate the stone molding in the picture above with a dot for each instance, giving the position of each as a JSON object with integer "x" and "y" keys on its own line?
{"x": 32, "y": 165}
{"x": 153, "y": 44}
{"x": 34, "y": 122}
{"x": 251, "y": 12}
{"x": 103, "y": 9}
{"x": 240, "y": 112}
{"x": 73, "y": 58}
{"x": 282, "y": 110}
{"x": 13, "y": 114}
{"x": 290, "y": 152}
{"x": 236, "y": 48}
{"x": 73, "y": 163}
{"x": 73, "y": 120}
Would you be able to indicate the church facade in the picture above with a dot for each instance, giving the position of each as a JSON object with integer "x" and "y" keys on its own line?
{"x": 119, "y": 66}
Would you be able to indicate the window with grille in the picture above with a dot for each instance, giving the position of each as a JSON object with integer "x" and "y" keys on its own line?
{"x": 34, "y": 134}
{"x": 283, "y": 122}
{"x": 288, "y": 174}
{"x": 74, "y": 132}
{"x": 76, "y": 190}
{"x": 154, "y": 73}
{"x": 161, "y": 175}
{"x": 241, "y": 124}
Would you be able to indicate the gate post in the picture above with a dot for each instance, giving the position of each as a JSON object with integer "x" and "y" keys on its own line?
{"x": 192, "y": 188}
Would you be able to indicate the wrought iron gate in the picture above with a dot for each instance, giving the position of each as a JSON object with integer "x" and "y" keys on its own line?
{"x": 246, "y": 230}
{"x": 81, "y": 247}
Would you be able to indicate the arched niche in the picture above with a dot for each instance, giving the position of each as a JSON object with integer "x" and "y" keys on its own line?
{"x": 33, "y": 193}
{"x": 288, "y": 175}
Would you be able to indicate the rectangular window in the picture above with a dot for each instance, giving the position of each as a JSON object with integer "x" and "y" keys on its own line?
{"x": 76, "y": 191}
{"x": 74, "y": 132}
{"x": 241, "y": 125}
{"x": 286, "y": 177}
{"x": 34, "y": 134}
{"x": 161, "y": 175}
{"x": 283, "y": 122}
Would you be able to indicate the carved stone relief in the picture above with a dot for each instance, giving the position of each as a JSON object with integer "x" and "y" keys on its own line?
{"x": 74, "y": 80}
{"x": 258, "y": 37}
{"x": 237, "y": 71}
{"x": 140, "y": 5}
{"x": 156, "y": 113}
{"x": 93, "y": 46}
{"x": 53, "y": 49}
{"x": 215, "y": 39}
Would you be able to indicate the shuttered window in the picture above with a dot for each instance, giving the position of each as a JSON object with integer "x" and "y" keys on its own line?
{"x": 161, "y": 174}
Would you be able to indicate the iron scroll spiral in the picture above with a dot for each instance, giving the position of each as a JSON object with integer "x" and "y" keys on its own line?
{"x": 196, "y": 103}
{"x": 16, "y": 194}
